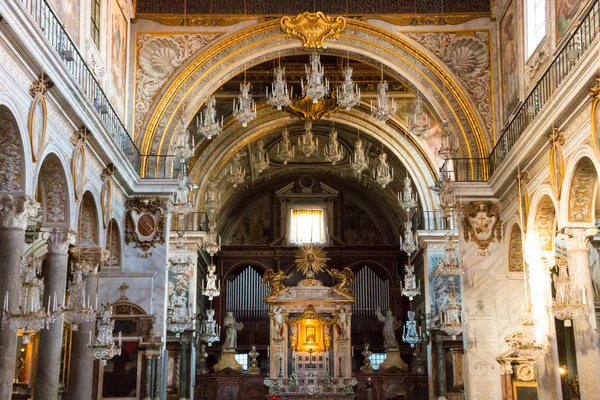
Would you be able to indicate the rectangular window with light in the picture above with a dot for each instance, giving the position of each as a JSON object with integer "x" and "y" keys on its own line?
{"x": 95, "y": 22}
{"x": 307, "y": 226}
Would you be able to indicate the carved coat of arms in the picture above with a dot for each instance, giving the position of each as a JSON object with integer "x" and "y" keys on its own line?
{"x": 145, "y": 225}
{"x": 482, "y": 223}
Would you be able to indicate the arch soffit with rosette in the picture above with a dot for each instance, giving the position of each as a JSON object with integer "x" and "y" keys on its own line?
{"x": 26, "y": 163}
{"x": 543, "y": 218}
{"x": 53, "y": 154}
{"x": 230, "y": 55}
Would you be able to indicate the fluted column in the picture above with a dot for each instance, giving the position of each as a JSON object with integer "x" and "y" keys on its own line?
{"x": 13, "y": 221}
{"x": 586, "y": 342}
{"x": 47, "y": 372}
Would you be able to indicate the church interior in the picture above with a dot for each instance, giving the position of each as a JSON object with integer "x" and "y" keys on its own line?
{"x": 262, "y": 199}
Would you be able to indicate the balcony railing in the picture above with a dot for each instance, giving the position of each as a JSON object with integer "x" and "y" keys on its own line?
{"x": 192, "y": 222}
{"x": 563, "y": 63}
{"x": 160, "y": 166}
{"x": 432, "y": 221}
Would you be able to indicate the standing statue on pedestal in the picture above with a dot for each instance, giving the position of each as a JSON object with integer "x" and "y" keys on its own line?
{"x": 278, "y": 322}
{"x": 392, "y": 349}
{"x": 342, "y": 323}
{"x": 231, "y": 329}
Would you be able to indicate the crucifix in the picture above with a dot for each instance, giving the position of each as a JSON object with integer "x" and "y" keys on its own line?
{"x": 123, "y": 288}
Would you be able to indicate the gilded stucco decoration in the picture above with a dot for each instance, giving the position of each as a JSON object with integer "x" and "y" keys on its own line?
{"x": 482, "y": 223}
{"x": 545, "y": 223}
{"x": 88, "y": 222}
{"x": 158, "y": 56}
{"x": 467, "y": 54}
{"x": 11, "y": 160}
{"x": 37, "y": 121}
{"x": 515, "y": 252}
{"x": 557, "y": 161}
{"x": 595, "y": 118}
{"x": 106, "y": 194}
{"x": 145, "y": 224}
{"x": 313, "y": 28}
{"x": 78, "y": 161}
{"x": 523, "y": 198}
{"x": 536, "y": 63}
{"x": 307, "y": 110}
{"x": 581, "y": 192}
{"x": 53, "y": 189}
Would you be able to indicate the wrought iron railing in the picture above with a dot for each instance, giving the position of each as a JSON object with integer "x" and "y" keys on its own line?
{"x": 432, "y": 221}
{"x": 60, "y": 41}
{"x": 160, "y": 166}
{"x": 195, "y": 221}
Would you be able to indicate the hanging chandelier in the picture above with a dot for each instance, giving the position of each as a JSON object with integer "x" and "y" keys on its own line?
{"x": 210, "y": 332}
{"x": 261, "y": 161}
{"x": 309, "y": 144}
{"x": 383, "y": 174}
{"x": 447, "y": 151}
{"x": 420, "y": 120}
{"x": 449, "y": 265}
{"x": 360, "y": 161}
{"x": 212, "y": 243}
{"x": 317, "y": 86}
{"x": 525, "y": 344}
{"x": 180, "y": 202}
{"x": 409, "y": 330}
{"x": 280, "y": 95}
{"x": 384, "y": 109}
{"x": 207, "y": 123}
{"x": 211, "y": 288}
{"x": 237, "y": 173}
{"x": 212, "y": 198}
{"x": 408, "y": 245}
{"x": 287, "y": 151}
{"x": 451, "y": 317}
{"x": 180, "y": 258}
{"x": 31, "y": 317}
{"x": 564, "y": 304}
{"x": 349, "y": 96}
{"x": 412, "y": 286}
{"x": 178, "y": 318}
{"x": 408, "y": 200}
{"x": 333, "y": 152}
{"x": 78, "y": 309}
{"x": 184, "y": 147}
{"x": 244, "y": 110}
{"x": 104, "y": 348}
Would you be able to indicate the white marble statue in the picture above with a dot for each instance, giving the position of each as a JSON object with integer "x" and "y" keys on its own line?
{"x": 231, "y": 329}
{"x": 278, "y": 322}
{"x": 343, "y": 322}
{"x": 390, "y": 325}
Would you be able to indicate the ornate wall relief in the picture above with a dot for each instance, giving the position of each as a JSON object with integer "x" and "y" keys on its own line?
{"x": 158, "y": 56}
{"x": 145, "y": 224}
{"x": 582, "y": 191}
{"x": 113, "y": 245}
{"x": 595, "y": 117}
{"x": 536, "y": 63}
{"x": 52, "y": 186}
{"x": 515, "y": 252}
{"x": 482, "y": 223}
{"x": 467, "y": 54}
{"x": 544, "y": 225}
{"x": 88, "y": 221}
{"x": 11, "y": 159}
{"x": 313, "y": 28}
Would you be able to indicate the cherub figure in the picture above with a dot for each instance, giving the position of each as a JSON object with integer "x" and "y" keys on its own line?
{"x": 342, "y": 279}
{"x": 274, "y": 279}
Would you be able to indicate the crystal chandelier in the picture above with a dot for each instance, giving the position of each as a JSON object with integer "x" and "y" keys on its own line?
{"x": 261, "y": 161}
{"x": 412, "y": 287}
{"x": 180, "y": 259}
{"x": 211, "y": 289}
{"x": 420, "y": 123}
{"x": 447, "y": 150}
{"x": 564, "y": 304}
{"x": 212, "y": 198}
{"x": 31, "y": 317}
{"x": 287, "y": 151}
{"x": 449, "y": 265}
{"x": 360, "y": 161}
{"x": 237, "y": 173}
{"x": 212, "y": 243}
{"x": 309, "y": 144}
{"x": 104, "y": 348}
{"x": 183, "y": 148}
{"x": 409, "y": 330}
{"x": 210, "y": 332}
{"x": 408, "y": 200}
{"x": 78, "y": 309}
{"x": 384, "y": 110}
{"x": 525, "y": 345}
{"x": 408, "y": 245}
{"x": 178, "y": 319}
{"x": 280, "y": 96}
{"x": 333, "y": 152}
{"x": 383, "y": 174}
{"x": 180, "y": 202}
{"x": 350, "y": 93}
{"x": 451, "y": 316}
{"x": 207, "y": 123}
{"x": 317, "y": 85}
{"x": 244, "y": 110}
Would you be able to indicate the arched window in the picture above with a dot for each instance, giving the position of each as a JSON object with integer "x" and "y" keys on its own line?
{"x": 371, "y": 292}
{"x": 536, "y": 24}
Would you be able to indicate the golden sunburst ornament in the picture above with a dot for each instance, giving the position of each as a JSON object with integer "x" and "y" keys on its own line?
{"x": 311, "y": 260}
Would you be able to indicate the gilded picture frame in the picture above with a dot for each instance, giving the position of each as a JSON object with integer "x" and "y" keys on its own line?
{"x": 78, "y": 169}
{"x": 37, "y": 124}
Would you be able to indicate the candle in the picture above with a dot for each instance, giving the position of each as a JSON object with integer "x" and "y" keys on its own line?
{"x": 90, "y": 342}
{"x": 583, "y": 295}
{"x": 268, "y": 351}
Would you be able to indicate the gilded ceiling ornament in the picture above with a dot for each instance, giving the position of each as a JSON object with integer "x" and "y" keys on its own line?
{"x": 557, "y": 162}
{"x": 313, "y": 28}
{"x": 482, "y": 223}
{"x": 311, "y": 260}
{"x": 307, "y": 110}
{"x": 145, "y": 225}
{"x": 595, "y": 117}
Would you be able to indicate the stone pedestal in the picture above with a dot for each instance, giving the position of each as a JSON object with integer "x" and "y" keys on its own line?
{"x": 393, "y": 359}
{"x": 227, "y": 361}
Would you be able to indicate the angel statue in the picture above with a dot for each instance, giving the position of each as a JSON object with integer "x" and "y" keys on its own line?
{"x": 342, "y": 279}
{"x": 231, "y": 329}
{"x": 278, "y": 320}
{"x": 390, "y": 325}
{"x": 275, "y": 281}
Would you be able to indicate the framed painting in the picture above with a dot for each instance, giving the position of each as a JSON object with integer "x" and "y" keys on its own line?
{"x": 510, "y": 46}
{"x": 566, "y": 11}
{"x": 118, "y": 59}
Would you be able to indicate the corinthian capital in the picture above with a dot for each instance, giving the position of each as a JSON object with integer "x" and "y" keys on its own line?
{"x": 58, "y": 241}
{"x": 14, "y": 212}
{"x": 578, "y": 239}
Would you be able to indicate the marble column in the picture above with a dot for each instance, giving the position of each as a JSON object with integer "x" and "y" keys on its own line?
{"x": 184, "y": 368}
{"x": 81, "y": 377}
{"x": 47, "y": 371}
{"x": 157, "y": 376}
{"x": 586, "y": 342}
{"x": 148, "y": 377}
{"x": 13, "y": 221}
